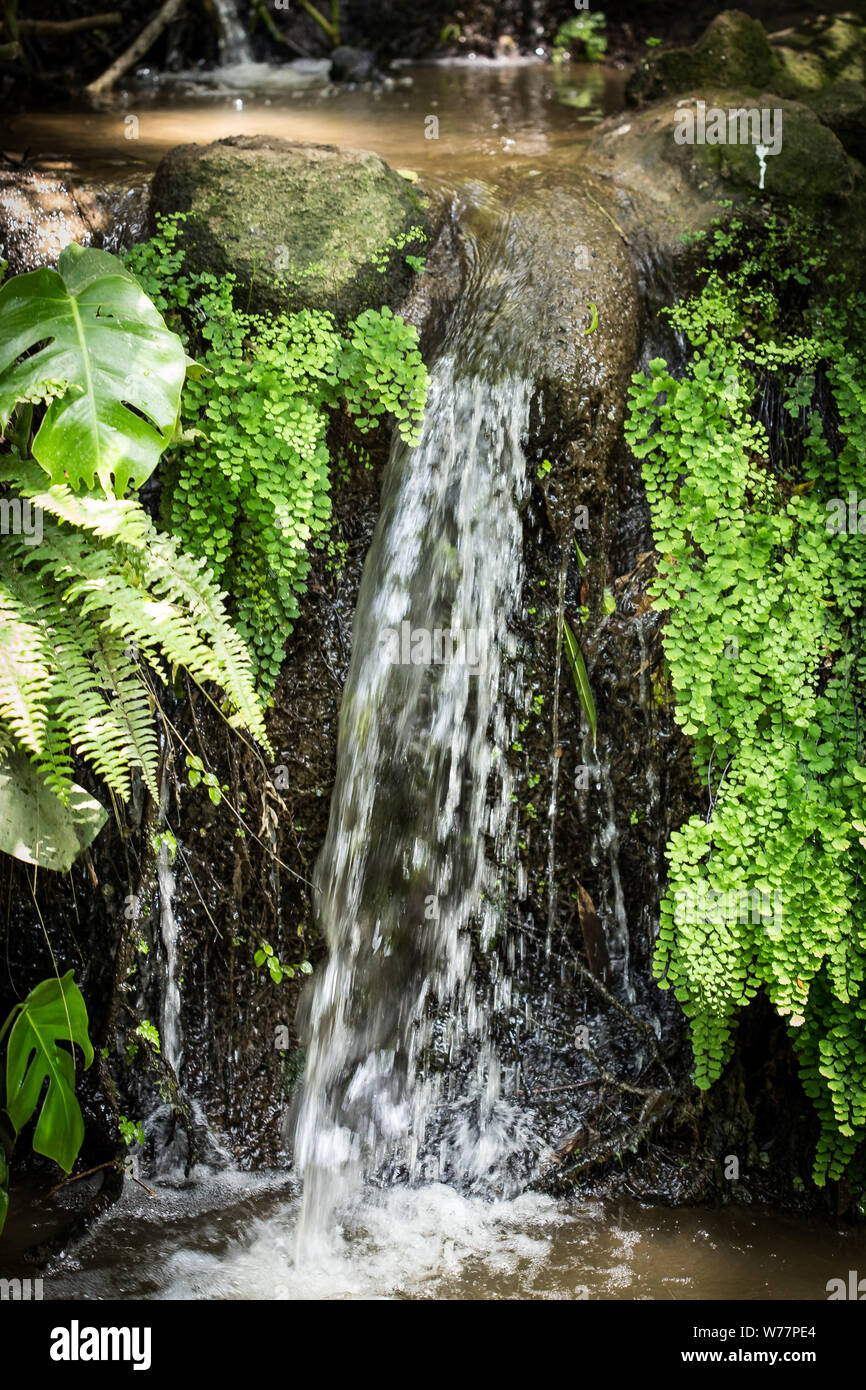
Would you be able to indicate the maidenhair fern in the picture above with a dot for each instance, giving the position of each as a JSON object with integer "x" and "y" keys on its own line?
{"x": 766, "y": 600}
{"x": 247, "y": 485}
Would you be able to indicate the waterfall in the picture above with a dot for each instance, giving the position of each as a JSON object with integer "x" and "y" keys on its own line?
{"x": 400, "y": 1074}
{"x": 171, "y": 1020}
{"x": 171, "y": 1027}
{"x": 234, "y": 44}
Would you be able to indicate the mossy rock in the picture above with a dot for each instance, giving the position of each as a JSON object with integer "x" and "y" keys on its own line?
{"x": 667, "y": 189}
{"x": 733, "y": 51}
{"x": 299, "y": 225}
{"x": 822, "y": 51}
{"x": 842, "y": 107}
{"x": 810, "y": 170}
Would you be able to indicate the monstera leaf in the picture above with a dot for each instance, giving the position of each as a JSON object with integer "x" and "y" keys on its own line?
{"x": 35, "y": 825}
{"x": 4, "y": 1188}
{"x": 52, "y": 1013}
{"x": 104, "y": 359}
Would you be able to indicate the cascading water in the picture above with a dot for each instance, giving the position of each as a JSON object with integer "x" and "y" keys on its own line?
{"x": 171, "y": 1021}
{"x": 234, "y": 44}
{"x": 400, "y": 1073}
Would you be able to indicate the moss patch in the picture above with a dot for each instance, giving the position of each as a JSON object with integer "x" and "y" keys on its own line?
{"x": 298, "y": 225}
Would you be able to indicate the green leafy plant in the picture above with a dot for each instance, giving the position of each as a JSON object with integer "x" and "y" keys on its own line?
{"x": 197, "y": 772}
{"x": 36, "y": 826}
{"x": 85, "y": 339}
{"x": 585, "y": 29}
{"x": 52, "y": 1015}
{"x": 131, "y": 1131}
{"x": 248, "y": 481}
{"x": 96, "y": 602}
{"x": 581, "y": 679}
{"x": 765, "y": 645}
{"x": 267, "y": 956}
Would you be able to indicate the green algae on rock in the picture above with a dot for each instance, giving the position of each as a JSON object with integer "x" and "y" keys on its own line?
{"x": 298, "y": 225}
{"x": 733, "y": 51}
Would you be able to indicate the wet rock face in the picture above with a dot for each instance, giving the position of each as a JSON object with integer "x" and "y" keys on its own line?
{"x": 299, "y": 225}
{"x": 819, "y": 52}
{"x": 667, "y": 186}
{"x": 733, "y": 52}
{"x": 581, "y": 298}
{"x": 41, "y": 214}
{"x": 803, "y": 90}
{"x": 822, "y": 62}
{"x": 353, "y": 65}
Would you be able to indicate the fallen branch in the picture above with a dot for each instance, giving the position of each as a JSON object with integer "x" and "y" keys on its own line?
{"x": 110, "y": 1163}
{"x": 137, "y": 49}
{"x": 264, "y": 14}
{"x": 626, "y": 1140}
{"x": 552, "y": 1090}
{"x": 56, "y": 28}
{"x": 140, "y": 1183}
{"x": 332, "y": 26}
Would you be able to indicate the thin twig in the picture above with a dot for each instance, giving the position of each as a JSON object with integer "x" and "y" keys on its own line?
{"x": 141, "y": 1184}
{"x": 605, "y": 213}
{"x": 572, "y": 1086}
{"x": 110, "y": 1163}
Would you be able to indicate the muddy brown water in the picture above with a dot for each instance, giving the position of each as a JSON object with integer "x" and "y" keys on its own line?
{"x": 451, "y": 121}
{"x": 230, "y": 1236}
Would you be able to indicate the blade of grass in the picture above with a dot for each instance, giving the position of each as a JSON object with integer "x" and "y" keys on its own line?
{"x": 581, "y": 679}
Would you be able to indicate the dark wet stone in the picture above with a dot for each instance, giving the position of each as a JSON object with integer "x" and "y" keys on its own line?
{"x": 353, "y": 65}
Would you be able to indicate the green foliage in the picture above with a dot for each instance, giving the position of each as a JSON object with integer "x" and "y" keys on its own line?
{"x": 149, "y": 1034}
{"x": 103, "y": 593}
{"x": 581, "y": 679}
{"x": 35, "y": 825}
{"x": 101, "y": 356}
{"x": 266, "y": 955}
{"x": 247, "y": 485}
{"x": 131, "y": 1131}
{"x": 382, "y": 257}
{"x": 198, "y": 773}
{"x": 53, "y": 1014}
{"x": 586, "y": 29}
{"x": 95, "y": 598}
{"x": 764, "y": 641}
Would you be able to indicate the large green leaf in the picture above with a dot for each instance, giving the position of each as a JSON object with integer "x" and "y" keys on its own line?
{"x": 4, "y": 1188}
{"x": 35, "y": 825}
{"x": 104, "y": 348}
{"x": 52, "y": 1013}
{"x": 581, "y": 679}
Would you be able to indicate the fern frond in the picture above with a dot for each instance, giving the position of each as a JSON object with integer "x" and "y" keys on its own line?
{"x": 193, "y": 630}
{"x": 78, "y": 712}
{"x": 25, "y": 674}
{"x": 109, "y": 518}
{"x": 131, "y": 706}
{"x": 172, "y": 572}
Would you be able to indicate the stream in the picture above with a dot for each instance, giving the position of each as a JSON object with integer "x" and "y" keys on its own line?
{"x": 412, "y": 1159}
